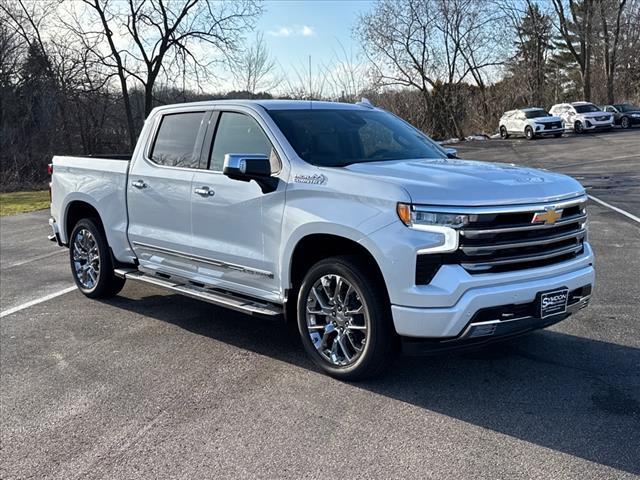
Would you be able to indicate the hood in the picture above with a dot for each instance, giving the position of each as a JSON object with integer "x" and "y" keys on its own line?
{"x": 546, "y": 119}
{"x": 595, "y": 114}
{"x": 471, "y": 183}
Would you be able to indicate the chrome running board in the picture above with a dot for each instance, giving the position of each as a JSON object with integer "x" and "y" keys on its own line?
{"x": 208, "y": 294}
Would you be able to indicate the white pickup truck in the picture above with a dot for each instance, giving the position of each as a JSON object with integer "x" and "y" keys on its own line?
{"x": 344, "y": 218}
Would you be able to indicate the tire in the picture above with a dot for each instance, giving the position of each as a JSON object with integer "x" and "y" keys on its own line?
{"x": 503, "y": 133}
{"x": 625, "y": 122}
{"x": 333, "y": 344}
{"x": 577, "y": 127}
{"x": 91, "y": 263}
{"x": 528, "y": 132}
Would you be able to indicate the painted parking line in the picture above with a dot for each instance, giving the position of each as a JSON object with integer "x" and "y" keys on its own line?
{"x": 615, "y": 209}
{"x": 37, "y": 301}
{"x": 33, "y": 259}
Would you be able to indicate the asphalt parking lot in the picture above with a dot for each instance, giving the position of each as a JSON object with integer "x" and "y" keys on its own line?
{"x": 154, "y": 385}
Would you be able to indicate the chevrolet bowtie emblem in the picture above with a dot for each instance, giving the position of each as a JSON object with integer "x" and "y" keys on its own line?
{"x": 549, "y": 216}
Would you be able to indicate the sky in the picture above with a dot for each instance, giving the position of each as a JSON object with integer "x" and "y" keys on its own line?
{"x": 295, "y": 29}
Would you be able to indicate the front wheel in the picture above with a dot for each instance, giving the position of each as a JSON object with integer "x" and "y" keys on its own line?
{"x": 344, "y": 318}
{"x": 625, "y": 122}
{"x": 91, "y": 263}
{"x": 528, "y": 132}
{"x": 577, "y": 127}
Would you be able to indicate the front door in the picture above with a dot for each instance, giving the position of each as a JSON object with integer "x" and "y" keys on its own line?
{"x": 236, "y": 228}
{"x": 159, "y": 193}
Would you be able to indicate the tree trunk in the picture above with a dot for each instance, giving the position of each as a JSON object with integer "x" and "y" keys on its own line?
{"x": 128, "y": 112}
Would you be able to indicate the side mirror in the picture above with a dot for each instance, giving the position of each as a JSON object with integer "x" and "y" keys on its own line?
{"x": 248, "y": 166}
{"x": 451, "y": 152}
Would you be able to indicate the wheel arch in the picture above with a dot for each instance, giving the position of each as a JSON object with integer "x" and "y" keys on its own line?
{"x": 75, "y": 211}
{"x": 314, "y": 247}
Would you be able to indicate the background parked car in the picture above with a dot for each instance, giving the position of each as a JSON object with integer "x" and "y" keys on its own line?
{"x": 624, "y": 114}
{"x": 530, "y": 122}
{"x": 581, "y": 116}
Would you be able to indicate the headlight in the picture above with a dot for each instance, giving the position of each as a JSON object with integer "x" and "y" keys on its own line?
{"x": 442, "y": 226}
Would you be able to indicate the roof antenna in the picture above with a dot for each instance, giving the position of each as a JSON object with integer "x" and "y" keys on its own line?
{"x": 364, "y": 102}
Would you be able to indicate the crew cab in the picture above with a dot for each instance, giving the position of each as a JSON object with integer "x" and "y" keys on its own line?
{"x": 339, "y": 217}
{"x": 530, "y": 122}
{"x": 582, "y": 116}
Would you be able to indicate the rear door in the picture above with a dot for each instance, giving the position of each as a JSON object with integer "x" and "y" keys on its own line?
{"x": 236, "y": 227}
{"x": 159, "y": 192}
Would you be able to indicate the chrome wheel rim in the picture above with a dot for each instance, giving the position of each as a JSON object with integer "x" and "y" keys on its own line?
{"x": 337, "y": 320}
{"x": 86, "y": 259}
{"x": 625, "y": 122}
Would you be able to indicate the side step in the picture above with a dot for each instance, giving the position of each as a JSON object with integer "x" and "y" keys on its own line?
{"x": 216, "y": 297}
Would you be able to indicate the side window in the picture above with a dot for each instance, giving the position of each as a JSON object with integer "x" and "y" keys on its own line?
{"x": 175, "y": 142}
{"x": 239, "y": 133}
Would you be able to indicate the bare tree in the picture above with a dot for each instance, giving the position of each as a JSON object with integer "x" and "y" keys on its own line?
{"x": 432, "y": 46}
{"x": 576, "y": 31}
{"x": 255, "y": 69}
{"x": 147, "y": 39}
{"x": 346, "y": 75}
{"x": 611, "y": 40}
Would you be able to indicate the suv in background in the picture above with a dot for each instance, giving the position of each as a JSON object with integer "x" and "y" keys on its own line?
{"x": 581, "y": 116}
{"x": 530, "y": 122}
{"x": 624, "y": 114}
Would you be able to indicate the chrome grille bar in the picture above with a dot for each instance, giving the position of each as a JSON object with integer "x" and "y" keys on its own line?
{"x": 476, "y": 250}
{"x": 522, "y": 259}
{"x": 473, "y": 233}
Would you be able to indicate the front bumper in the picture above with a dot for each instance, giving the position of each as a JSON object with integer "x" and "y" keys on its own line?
{"x": 481, "y": 333}
{"x": 452, "y": 322}
{"x": 594, "y": 125}
{"x": 552, "y": 131}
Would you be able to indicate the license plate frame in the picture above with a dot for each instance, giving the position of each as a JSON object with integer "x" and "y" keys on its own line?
{"x": 553, "y": 302}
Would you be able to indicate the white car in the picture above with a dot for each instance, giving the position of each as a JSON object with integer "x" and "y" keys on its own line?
{"x": 581, "y": 116}
{"x": 530, "y": 122}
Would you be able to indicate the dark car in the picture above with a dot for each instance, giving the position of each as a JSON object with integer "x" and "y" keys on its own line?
{"x": 624, "y": 114}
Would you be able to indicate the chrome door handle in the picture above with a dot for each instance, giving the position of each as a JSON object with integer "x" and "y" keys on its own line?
{"x": 205, "y": 192}
{"x": 139, "y": 184}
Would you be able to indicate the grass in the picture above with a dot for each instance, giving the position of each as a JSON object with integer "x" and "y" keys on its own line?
{"x": 21, "y": 202}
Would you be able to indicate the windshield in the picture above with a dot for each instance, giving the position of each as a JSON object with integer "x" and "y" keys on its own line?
{"x": 335, "y": 138}
{"x": 536, "y": 113}
{"x": 586, "y": 108}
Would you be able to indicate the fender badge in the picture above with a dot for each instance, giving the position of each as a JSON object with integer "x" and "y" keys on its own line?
{"x": 312, "y": 179}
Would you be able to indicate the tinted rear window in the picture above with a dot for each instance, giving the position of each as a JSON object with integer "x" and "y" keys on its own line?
{"x": 340, "y": 137}
{"x": 175, "y": 143}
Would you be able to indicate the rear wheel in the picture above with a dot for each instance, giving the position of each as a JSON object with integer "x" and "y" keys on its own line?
{"x": 344, "y": 318}
{"x": 91, "y": 262}
{"x": 578, "y": 127}
{"x": 504, "y": 133}
{"x": 528, "y": 132}
{"x": 625, "y": 122}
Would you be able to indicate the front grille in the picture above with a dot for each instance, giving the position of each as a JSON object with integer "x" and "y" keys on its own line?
{"x": 602, "y": 118}
{"x": 501, "y": 242}
{"x": 552, "y": 125}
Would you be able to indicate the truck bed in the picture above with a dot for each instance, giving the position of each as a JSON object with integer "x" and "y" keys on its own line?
{"x": 100, "y": 182}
